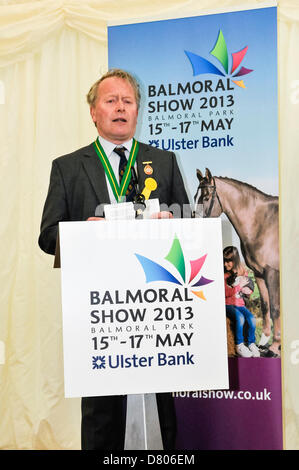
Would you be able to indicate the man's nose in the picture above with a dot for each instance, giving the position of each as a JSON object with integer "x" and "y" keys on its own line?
{"x": 120, "y": 105}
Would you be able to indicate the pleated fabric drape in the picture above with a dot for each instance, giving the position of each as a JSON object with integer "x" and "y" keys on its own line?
{"x": 50, "y": 54}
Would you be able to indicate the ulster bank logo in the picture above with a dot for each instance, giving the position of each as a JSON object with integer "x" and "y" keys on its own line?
{"x": 155, "y": 272}
{"x": 201, "y": 65}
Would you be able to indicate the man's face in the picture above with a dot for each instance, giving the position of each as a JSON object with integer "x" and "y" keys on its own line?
{"x": 115, "y": 111}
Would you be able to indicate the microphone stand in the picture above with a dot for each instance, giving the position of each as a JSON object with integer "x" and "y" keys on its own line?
{"x": 139, "y": 199}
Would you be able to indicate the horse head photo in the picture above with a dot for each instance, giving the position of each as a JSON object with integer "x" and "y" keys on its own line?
{"x": 254, "y": 216}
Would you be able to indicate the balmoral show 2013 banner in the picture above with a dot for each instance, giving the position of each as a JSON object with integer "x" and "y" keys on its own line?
{"x": 209, "y": 94}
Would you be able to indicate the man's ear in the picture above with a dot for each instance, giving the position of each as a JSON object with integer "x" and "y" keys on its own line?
{"x": 92, "y": 113}
{"x": 93, "y": 116}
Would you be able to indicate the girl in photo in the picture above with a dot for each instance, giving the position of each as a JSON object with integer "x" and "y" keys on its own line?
{"x": 237, "y": 285}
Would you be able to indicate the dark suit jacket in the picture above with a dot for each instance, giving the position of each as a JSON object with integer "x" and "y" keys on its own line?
{"x": 78, "y": 186}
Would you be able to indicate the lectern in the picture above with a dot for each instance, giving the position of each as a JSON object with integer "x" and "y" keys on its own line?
{"x": 143, "y": 312}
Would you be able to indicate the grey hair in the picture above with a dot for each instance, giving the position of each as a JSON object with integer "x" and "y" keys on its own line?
{"x": 119, "y": 73}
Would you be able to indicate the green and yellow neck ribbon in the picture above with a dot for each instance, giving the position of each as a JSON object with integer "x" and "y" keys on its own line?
{"x": 119, "y": 190}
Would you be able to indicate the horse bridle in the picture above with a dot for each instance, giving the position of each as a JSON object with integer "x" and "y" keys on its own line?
{"x": 214, "y": 194}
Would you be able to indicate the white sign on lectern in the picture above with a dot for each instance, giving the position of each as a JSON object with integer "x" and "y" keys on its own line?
{"x": 143, "y": 306}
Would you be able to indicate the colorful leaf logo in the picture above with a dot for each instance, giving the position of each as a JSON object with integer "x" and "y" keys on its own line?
{"x": 155, "y": 272}
{"x": 201, "y": 65}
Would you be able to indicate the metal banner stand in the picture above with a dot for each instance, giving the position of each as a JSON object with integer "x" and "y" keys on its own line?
{"x": 142, "y": 423}
{"x": 142, "y": 426}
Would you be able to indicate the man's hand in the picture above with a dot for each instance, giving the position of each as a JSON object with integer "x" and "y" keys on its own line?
{"x": 96, "y": 218}
{"x": 162, "y": 215}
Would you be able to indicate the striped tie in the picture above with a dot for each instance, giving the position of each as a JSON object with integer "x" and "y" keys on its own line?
{"x": 130, "y": 193}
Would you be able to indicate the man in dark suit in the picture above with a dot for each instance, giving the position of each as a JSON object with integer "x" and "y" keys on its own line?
{"x": 78, "y": 185}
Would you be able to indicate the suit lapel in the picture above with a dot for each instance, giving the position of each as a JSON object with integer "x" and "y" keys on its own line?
{"x": 96, "y": 174}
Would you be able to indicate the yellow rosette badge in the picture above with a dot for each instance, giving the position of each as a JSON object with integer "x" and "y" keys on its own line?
{"x": 150, "y": 185}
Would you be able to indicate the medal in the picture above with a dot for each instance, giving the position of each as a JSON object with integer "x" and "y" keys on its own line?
{"x": 148, "y": 170}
